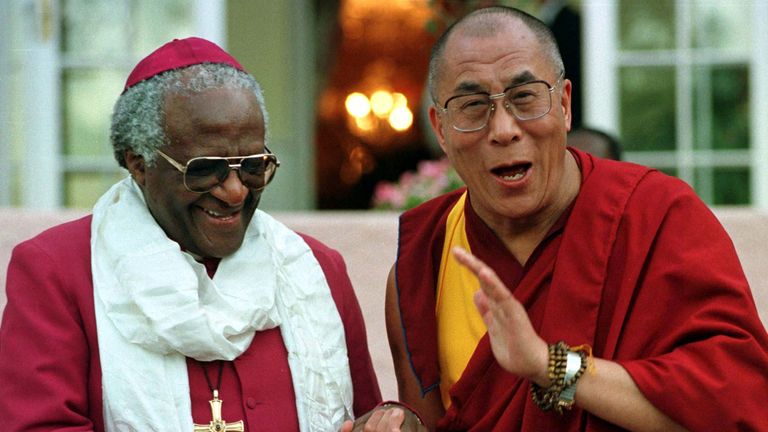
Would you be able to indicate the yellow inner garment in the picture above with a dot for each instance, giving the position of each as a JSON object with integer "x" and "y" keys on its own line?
{"x": 459, "y": 325}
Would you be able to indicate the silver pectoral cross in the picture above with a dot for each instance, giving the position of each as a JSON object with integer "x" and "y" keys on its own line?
{"x": 217, "y": 424}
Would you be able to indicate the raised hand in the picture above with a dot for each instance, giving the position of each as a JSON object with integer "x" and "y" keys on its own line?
{"x": 515, "y": 344}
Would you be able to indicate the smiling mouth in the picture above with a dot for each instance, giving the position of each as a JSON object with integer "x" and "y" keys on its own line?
{"x": 511, "y": 173}
{"x": 220, "y": 216}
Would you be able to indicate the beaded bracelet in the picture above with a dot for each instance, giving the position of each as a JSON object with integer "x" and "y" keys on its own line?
{"x": 552, "y": 397}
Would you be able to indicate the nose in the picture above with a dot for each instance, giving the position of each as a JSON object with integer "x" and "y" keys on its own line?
{"x": 232, "y": 191}
{"x": 503, "y": 126}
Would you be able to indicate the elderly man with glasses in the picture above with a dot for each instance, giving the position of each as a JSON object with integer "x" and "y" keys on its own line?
{"x": 559, "y": 291}
{"x": 177, "y": 305}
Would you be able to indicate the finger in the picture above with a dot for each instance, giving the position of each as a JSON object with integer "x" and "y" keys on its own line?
{"x": 396, "y": 418}
{"x": 467, "y": 259}
{"x": 392, "y": 420}
{"x": 490, "y": 283}
{"x": 374, "y": 420}
{"x": 481, "y": 302}
{"x": 347, "y": 426}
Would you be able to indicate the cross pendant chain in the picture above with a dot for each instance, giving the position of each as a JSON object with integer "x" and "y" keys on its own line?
{"x": 217, "y": 424}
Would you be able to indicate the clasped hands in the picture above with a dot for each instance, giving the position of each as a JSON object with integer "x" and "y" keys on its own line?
{"x": 388, "y": 417}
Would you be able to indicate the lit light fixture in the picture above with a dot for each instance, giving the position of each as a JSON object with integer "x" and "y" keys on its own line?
{"x": 381, "y": 103}
{"x": 382, "y": 113}
{"x": 357, "y": 105}
{"x": 400, "y": 118}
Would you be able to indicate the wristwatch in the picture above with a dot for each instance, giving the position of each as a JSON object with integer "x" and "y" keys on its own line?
{"x": 568, "y": 394}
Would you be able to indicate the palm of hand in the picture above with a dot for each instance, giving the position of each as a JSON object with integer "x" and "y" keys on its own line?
{"x": 515, "y": 344}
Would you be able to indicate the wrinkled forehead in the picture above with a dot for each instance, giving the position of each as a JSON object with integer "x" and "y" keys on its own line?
{"x": 217, "y": 121}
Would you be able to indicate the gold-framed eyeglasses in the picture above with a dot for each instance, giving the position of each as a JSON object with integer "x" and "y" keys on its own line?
{"x": 201, "y": 174}
{"x": 527, "y": 101}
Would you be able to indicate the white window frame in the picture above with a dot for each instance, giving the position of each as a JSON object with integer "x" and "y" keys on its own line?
{"x": 43, "y": 166}
{"x": 35, "y": 35}
{"x": 603, "y": 59}
{"x": 758, "y": 80}
{"x": 6, "y": 72}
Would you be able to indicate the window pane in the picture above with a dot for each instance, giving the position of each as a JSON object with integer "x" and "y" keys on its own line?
{"x": 722, "y": 24}
{"x": 109, "y": 35}
{"x": 731, "y": 185}
{"x": 646, "y": 24}
{"x": 648, "y": 108}
{"x": 82, "y": 190}
{"x": 93, "y": 27}
{"x": 721, "y": 101}
{"x": 88, "y": 98}
{"x": 158, "y": 22}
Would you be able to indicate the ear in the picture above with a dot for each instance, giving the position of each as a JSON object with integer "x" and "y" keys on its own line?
{"x": 437, "y": 126}
{"x": 565, "y": 103}
{"x": 136, "y": 166}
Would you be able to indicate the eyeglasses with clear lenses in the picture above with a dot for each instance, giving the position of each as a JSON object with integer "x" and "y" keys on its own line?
{"x": 526, "y": 101}
{"x": 201, "y": 174}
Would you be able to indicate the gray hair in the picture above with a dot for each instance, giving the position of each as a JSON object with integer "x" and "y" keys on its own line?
{"x": 138, "y": 118}
{"x": 488, "y": 22}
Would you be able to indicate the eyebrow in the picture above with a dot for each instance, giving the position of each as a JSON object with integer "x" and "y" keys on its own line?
{"x": 522, "y": 77}
{"x": 473, "y": 87}
{"x": 468, "y": 87}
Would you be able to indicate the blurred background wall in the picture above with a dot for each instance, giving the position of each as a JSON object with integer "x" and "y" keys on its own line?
{"x": 681, "y": 83}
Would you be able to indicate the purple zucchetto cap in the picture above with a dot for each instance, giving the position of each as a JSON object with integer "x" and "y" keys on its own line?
{"x": 177, "y": 54}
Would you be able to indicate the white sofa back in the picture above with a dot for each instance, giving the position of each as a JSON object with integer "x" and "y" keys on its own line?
{"x": 367, "y": 240}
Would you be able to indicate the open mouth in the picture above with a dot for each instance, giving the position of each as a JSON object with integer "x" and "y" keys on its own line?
{"x": 512, "y": 172}
{"x": 220, "y": 216}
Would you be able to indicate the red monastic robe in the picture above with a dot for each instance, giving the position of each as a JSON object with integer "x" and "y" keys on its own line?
{"x": 640, "y": 269}
{"x": 50, "y": 375}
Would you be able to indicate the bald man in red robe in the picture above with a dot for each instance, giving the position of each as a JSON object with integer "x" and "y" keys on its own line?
{"x": 621, "y": 264}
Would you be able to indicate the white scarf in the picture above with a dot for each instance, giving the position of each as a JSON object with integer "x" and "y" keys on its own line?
{"x": 155, "y": 305}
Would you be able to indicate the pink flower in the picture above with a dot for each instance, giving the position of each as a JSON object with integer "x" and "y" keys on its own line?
{"x": 407, "y": 180}
{"x": 431, "y": 178}
{"x": 388, "y": 195}
{"x": 432, "y": 169}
